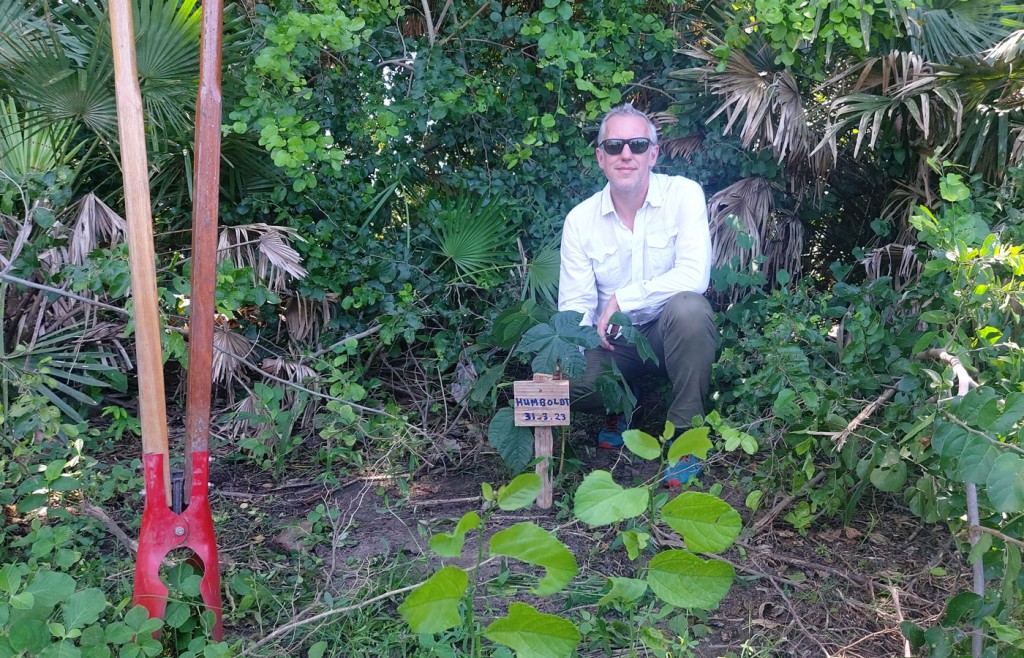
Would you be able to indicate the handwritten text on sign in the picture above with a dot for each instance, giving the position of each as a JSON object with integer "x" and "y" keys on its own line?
{"x": 541, "y": 403}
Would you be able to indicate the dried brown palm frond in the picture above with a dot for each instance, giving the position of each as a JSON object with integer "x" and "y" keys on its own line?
{"x": 93, "y": 224}
{"x": 306, "y": 318}
{"x": 742, "y": 209}
{"x": 903, "y": 202}
{"x": 230, "y": 350}
{"x": 662, "y": 119}
{"x": 784, "y": 247}
{"x": 898, "y": 261}
{"x": 266, "y": 250}
{"x": 769, "y": 102}
{"x": 682, "y": 147}
{"x": 296, "y": 373}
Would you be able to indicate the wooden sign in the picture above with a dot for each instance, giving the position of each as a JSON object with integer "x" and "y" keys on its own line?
{"x": 542, "y": 404}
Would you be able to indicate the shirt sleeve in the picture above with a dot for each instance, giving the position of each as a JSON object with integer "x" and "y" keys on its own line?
{"x": 691, "y": 268}
{"x": 577, "y": 286}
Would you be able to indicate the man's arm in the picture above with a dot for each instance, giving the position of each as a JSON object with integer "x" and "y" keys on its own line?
{"x": 577, "y": 286}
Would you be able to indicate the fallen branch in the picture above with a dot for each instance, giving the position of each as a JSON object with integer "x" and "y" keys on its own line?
{"x": 865, "y": 413}
{"x": 91, "y": 510}
{"x": 768, "y": 518}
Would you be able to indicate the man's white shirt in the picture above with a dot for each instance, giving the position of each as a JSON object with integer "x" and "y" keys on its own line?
{"x": 667, "y": 252}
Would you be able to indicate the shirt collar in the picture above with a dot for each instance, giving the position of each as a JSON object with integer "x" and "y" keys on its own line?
{"x": 655, "y": 196}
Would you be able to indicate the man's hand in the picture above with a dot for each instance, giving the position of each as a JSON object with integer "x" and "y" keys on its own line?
{"x": 603, "y": 328}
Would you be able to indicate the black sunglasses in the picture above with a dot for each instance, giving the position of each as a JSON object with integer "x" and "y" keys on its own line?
{"x": 637, "y": 145}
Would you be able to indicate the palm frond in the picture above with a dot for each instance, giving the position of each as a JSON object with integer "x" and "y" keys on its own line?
{"x": 93, "y": 224}
{"x": 943, "y": 33}
{"x": 897, "y": 261}
{"x": 28, "y": 146}
{"x": 542, "y": 275}
{"x": 306, "y": 318}
{"x": 59, "y": 88}
{"x": 473, "y": 235}
{"x": 230, "y": 350}
{"x": 739, "y": 217}
{"x": 769, "y": 102}
{"x": 264, "y": 249}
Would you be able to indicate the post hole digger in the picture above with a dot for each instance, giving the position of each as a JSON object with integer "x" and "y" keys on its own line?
{"x": 175, "y": 515}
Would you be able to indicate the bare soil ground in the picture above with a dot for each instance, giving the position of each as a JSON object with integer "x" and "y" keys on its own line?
{"x": 831, "y": 590}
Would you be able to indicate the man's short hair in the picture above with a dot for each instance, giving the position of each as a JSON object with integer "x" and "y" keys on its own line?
{"x": 627, "y": 110}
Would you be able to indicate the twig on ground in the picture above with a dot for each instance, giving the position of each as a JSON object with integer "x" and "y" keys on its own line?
{"x": 799, "y": 622}
{"x": 895, "y": 593}
{"x": 95, "y": 512}
{"x": 298, "y": 623}
{"x": 769, "y": 517}
{"x": 445, "y": 501}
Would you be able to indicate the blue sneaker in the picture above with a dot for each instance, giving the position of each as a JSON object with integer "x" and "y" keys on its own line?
{"x": 610, "y": 438}
{"x": 682, "y": 471}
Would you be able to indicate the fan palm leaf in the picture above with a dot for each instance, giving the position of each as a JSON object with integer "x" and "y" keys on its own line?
{"x": 473, "y": 236}
{"x": 542, "y": 275}
{"x": 948, "y": 29}
{"x": 25, "y": 149}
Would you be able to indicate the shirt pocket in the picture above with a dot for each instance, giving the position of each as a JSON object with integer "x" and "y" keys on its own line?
{"x": 661, "y": 250}
{"x": 607, "y": 269}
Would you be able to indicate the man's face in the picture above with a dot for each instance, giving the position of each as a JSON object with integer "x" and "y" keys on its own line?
{"x": 627, "y": 172}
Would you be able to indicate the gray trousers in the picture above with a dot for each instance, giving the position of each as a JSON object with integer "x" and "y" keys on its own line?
{"x": 685, "y": 339}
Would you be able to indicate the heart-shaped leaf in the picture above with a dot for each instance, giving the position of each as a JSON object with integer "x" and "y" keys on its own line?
{"x": 600, "y": 500}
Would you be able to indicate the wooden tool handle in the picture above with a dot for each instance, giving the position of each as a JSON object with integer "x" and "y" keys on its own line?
{"x": 132, "y": 138}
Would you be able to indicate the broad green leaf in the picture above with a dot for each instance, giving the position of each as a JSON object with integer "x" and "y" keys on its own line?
{"x": 960, "y": 605}
{"x": 684, "y": 580}
{"x": 532, "y": 544}
{"x": 450, "y": 544}
{"x": 118, "y": 633}
{"x": 599, "y": 500}
{"x": 559, "y": 340}
{"x": 29, "y": 635}
{"x": 706, "y": 522}
{"x": 51, "y": 588}
{"x": 532, "y": 634}
{"x": 891, "y": 474}
{"x": 514, "y": 444}
{"x": 634, "y": 336}
{"x": 84, "y": 608}
{"x": 1006, "y": 484}
{"x": 10, "y": 578}
{"x": 978, "y": 408}
{"x": 434, "y": 606}
{"x": 1013, "y": 411}
{"x": 177, "y": 614}
{"x": 635, "y": 542}
{"x": 61, "y": 649}
{"x": 937, "y": 317}
{"x": 753, "y": 500}
{"x": 977, "y": 459}
{"x": 318, "y": 649}
{"x": 786, "y": 406}
{"x": 520, "y": 492}
{"x": 625, "y": 590}
{"x": 23, "y": 601}
{"x": 691, "y": 442}
{"x": 642, "y": 444}
{"x": 952, "y": 188}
